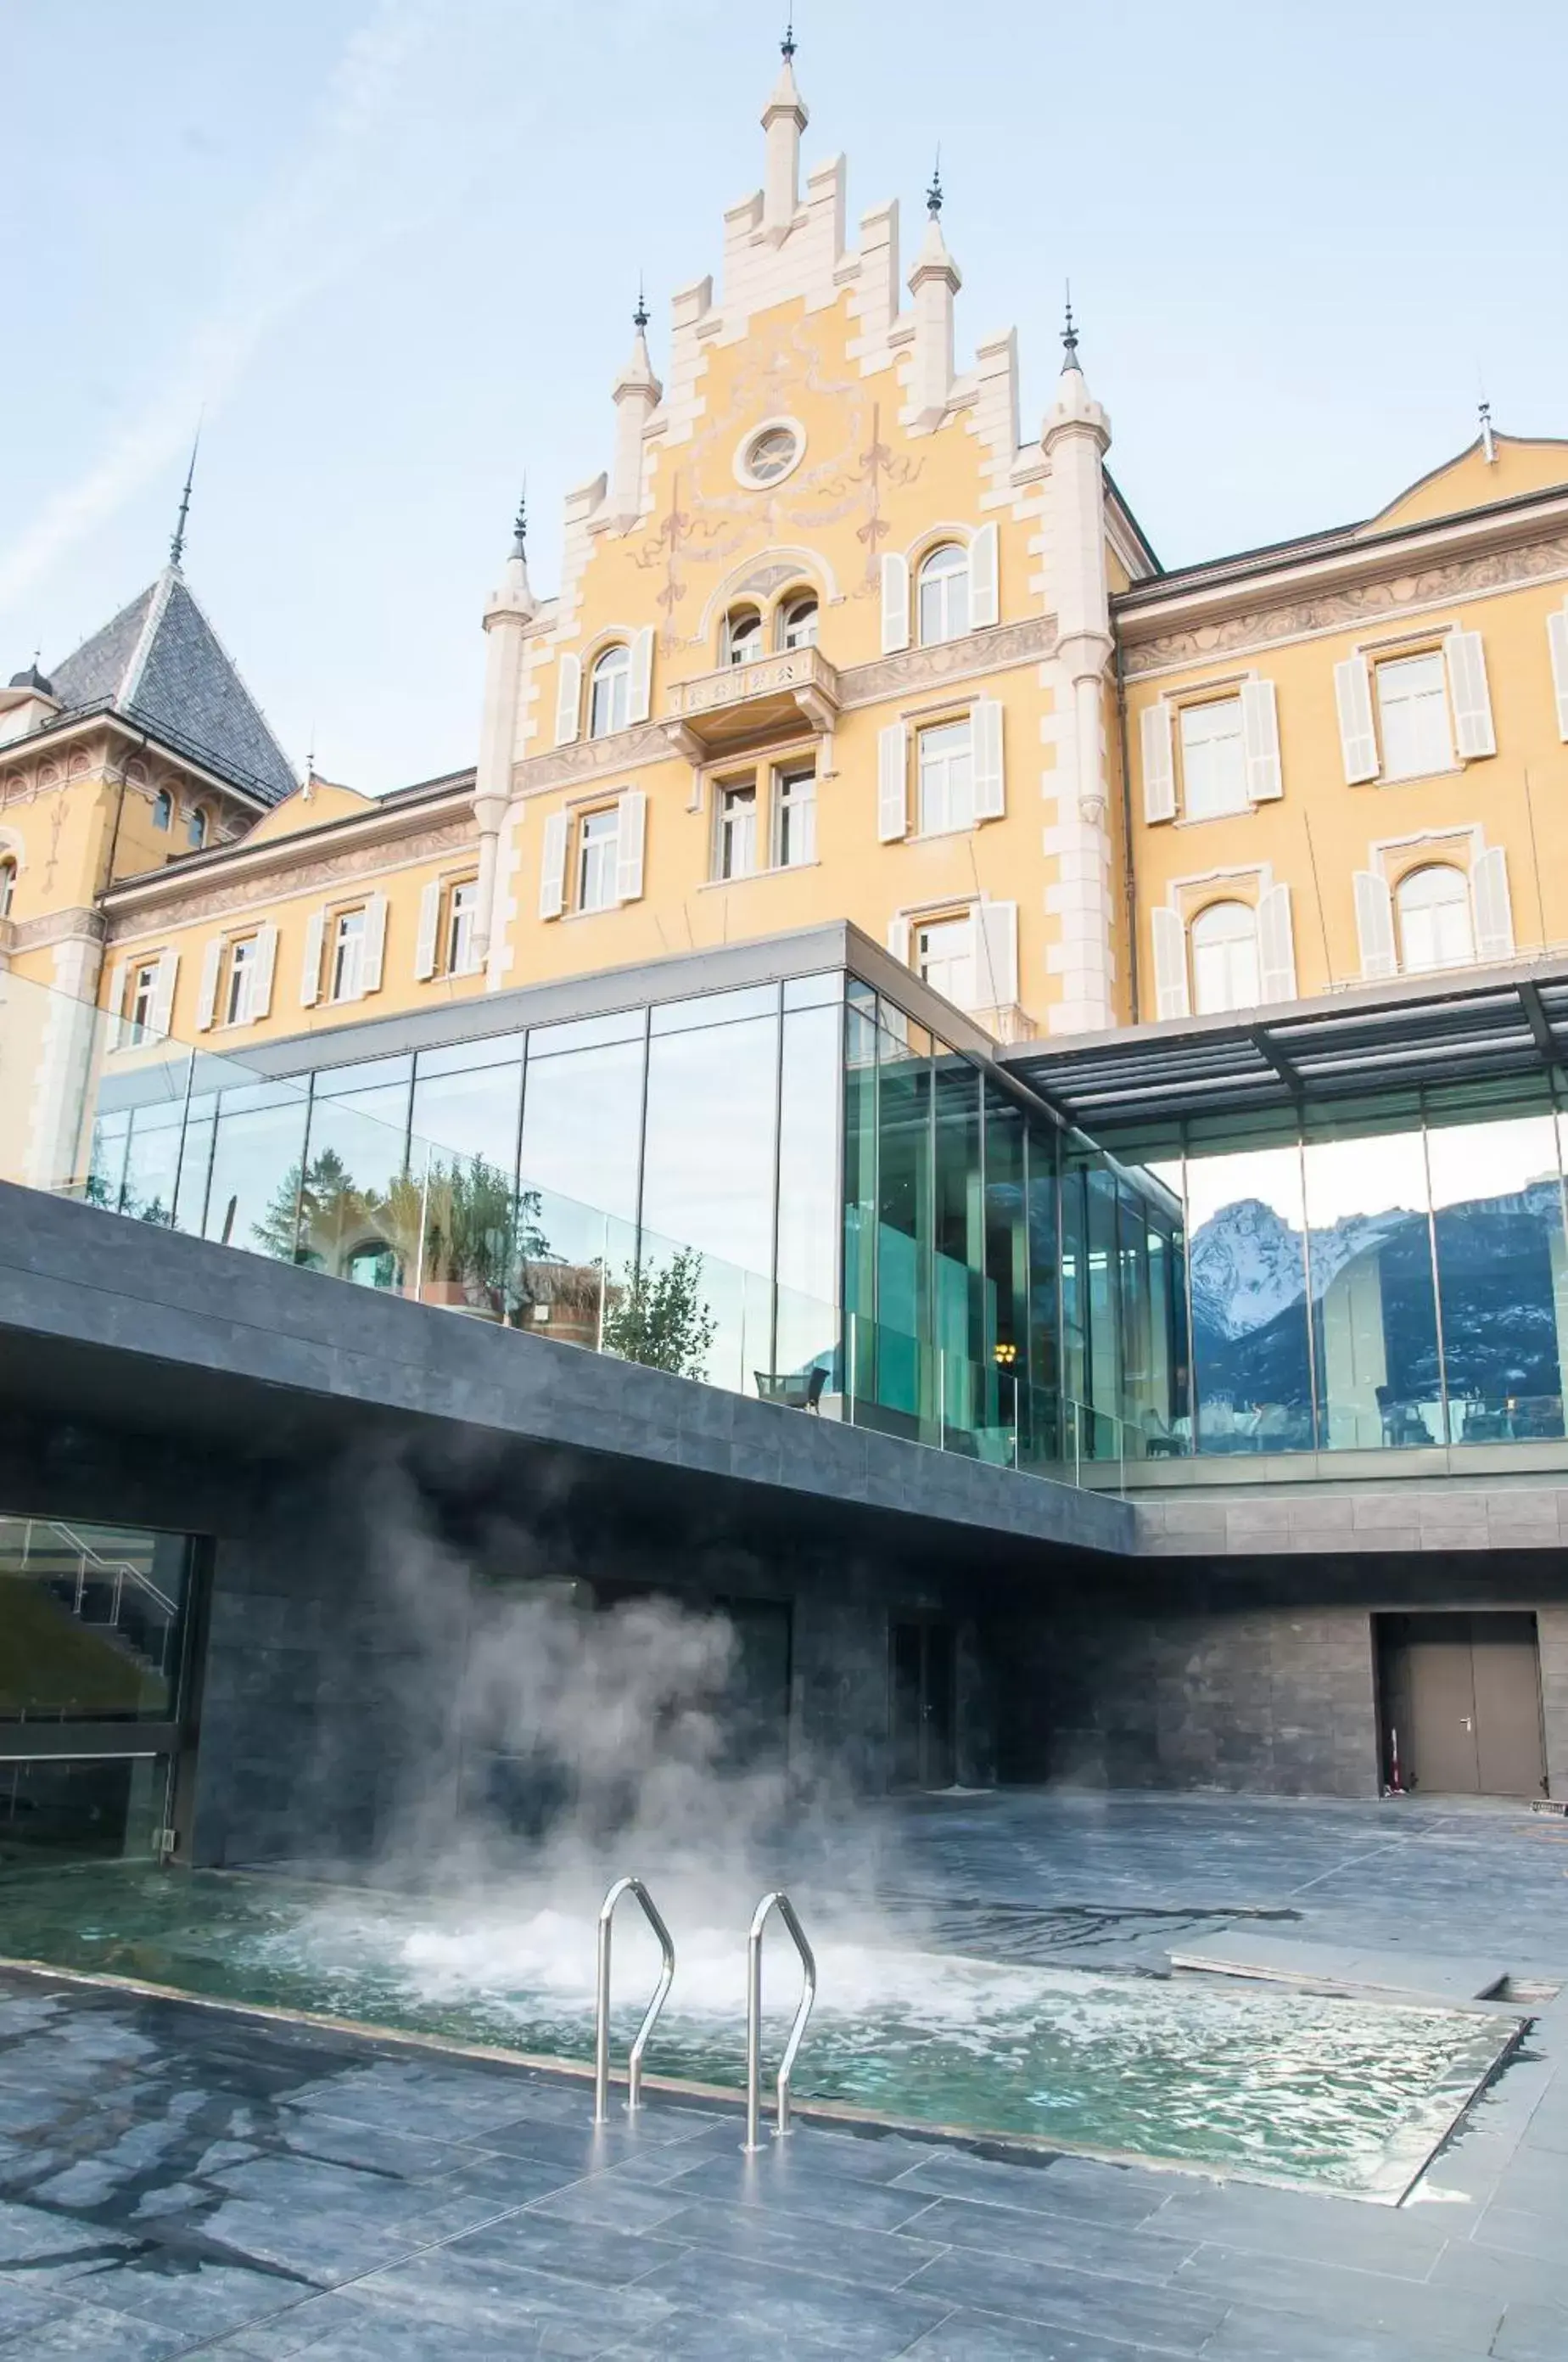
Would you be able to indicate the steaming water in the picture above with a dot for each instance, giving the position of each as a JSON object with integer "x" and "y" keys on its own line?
{"x": 1348, "y": 2095}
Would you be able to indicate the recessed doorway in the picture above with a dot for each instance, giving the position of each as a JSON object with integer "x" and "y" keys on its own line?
{"x": 925, "y": 1703}
{"x": 1462, "y": 1703}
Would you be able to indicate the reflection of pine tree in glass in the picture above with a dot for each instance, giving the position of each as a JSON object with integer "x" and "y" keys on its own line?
{"x": 315, "y": 1213}
{"x": 656, "y": 1315}
{"x": 475, "y": 1230}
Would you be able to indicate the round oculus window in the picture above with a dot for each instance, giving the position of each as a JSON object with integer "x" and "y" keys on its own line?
{"x": 771, "y": 452}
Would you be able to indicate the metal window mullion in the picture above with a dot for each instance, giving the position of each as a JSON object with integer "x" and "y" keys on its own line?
{"x": 1436, "y": 1291}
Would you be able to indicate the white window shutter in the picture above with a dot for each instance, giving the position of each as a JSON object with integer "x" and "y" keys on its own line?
{"x": 424, "y": 942}
{"x": 639, "y": 694}
{"x": 1375, "y": 925}
{"x": 259, "y": 987}
{"x": 1260, "y": 735}
{"x": 632, "y": 833}
{"x": 893, "y": 783}
{"x": 310, "y": 966}
{"x": 208, "y": 992}
{"x": 1172, "y": 998}
{"x": 1276, "y": 944}
{"x": 898, "y": 940}
{"x": 996, "y": 954}
{"x": 1493, "y": 911}
{"x": 1159, "y": 764}
{"x": 375, "y": 944}
{"x": 1357, "y": 732}
{"x": 117, "y": 1008}
{"x": 983, "y": 587}
{"x": 1472, "y": 731}
{"x": 163, "y": 1010}
{"x": 990, "y": 790}
{"x": 568, "y": 698}
{"x": 1557, "y": 642}
{"x": 553, "y": 868}
{"x": 894, "y": 603}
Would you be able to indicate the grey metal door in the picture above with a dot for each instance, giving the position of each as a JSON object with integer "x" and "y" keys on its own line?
{"x": 1463, "y": 1692}
{"x": 1506, "y": 1669}
{"x": 1442, "y": 1759}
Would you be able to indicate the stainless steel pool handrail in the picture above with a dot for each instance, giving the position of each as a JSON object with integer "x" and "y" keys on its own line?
{"x": 601, "y": 2020}
{"x": 778, "y": 1901}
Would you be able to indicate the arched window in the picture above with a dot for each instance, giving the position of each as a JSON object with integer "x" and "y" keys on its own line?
{"x": 8, "y": 885}
{"x": 611, "y": 692}
{"x": 798, "y": 622}
{"x": 196, "y": 831}
{"x": 162, "y": 809}
{"x": 742, "y": 636}
{"x": 944, "y": 595}
{"x": 1224, "y": 959}
{"x": 1435, "y": 929}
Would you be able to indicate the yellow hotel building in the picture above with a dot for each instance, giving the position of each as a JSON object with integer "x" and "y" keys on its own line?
{"x": 1107, "y": 1021}
{"x": 835, "y": 639}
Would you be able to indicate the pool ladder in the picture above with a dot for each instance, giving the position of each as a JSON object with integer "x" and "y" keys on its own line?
{"x": 777, "y": 1901}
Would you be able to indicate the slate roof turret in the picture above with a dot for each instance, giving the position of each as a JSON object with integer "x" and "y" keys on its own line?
{"x": 161, "y": 664}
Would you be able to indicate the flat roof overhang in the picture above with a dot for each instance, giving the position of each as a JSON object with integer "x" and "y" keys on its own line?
{"x": 1474, "y": 1025}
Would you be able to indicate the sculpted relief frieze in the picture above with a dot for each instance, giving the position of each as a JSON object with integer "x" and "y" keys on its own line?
{"x": 1365, "y": 601}
{"x": 593, "y": 758}
{"x": 221, "y": 898}
{"x": 994, "y": 650}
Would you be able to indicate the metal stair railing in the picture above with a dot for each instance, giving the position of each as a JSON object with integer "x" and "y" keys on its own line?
{"x": 117, "y": 1574}
{"x": 601, "y": 2021}
{"x": 778, "y": 1901}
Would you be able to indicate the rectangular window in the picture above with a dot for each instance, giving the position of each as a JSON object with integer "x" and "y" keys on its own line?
{"x": 598, "y": 835}
{"x": 795, "y": 819}
{"x": 139, "y": 1002}
{"x": 347, "y": 955}
{"x": 1412, "y": 706}
{"x": 1214, "y": 759}
{"x": 237, "y": 985}
{"x": 947, "y": 778}
{"x": 944, "y": 958}
{"x": 736, "y": 850}
{"x": 462, "y": 914}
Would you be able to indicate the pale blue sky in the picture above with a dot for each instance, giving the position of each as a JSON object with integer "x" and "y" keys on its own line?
{"x": 392, "y": 248}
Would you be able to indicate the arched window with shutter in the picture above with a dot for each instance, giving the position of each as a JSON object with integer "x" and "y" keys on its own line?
{"x": 944, "y": 594}
{"x": 1225, "y": 967}
{"x": 610, "y": 692}
{"x": 1436, "y": 925}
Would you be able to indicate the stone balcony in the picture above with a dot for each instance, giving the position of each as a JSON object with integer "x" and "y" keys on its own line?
{"x": 744, "y": 705}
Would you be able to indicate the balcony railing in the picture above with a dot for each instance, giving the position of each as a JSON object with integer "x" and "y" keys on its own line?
{"x": 744, "y": 703}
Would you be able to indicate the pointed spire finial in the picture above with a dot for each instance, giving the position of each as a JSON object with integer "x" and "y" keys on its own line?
{"x": 1488, "y": 440}
{"x": 640, "y": 318}
{"x": 177, "y": 547}
{"x": 520, "y": 527}
{"x": 934, "y": 193}
{"x": 787, "y": 46}
{"x": 1070, "y": 335}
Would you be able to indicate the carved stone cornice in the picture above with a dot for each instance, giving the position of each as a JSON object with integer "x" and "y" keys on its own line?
{"x": 217, "y": 895}
{"x": 592, "y": 758}
{"x": 79, "y": 925}
{"x": 998, "y": 649}
{"x": 1355, "y": 582}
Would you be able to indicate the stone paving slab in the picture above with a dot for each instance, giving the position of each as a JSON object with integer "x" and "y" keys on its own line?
{"x": 1299, "y": 1961}
{"x": 177, "y": 2180}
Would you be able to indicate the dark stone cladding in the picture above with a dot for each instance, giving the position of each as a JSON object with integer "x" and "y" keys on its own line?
{"x": 103, "y": 1316}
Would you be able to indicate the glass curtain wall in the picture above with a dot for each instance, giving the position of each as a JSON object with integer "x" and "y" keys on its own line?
{"x": 1381, "y": 1282}
{"x": 660, "y": 1183}
{"x": 1009, "y": 1291}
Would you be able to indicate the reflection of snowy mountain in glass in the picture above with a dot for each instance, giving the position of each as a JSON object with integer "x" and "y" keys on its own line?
{"x": 1249, "y": 1281}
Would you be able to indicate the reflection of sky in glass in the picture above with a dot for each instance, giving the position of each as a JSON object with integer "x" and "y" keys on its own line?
{"x": 1490, "y": 1160}
{"x": 709, "y": 1158}
{"x": 1381, "y": 1176}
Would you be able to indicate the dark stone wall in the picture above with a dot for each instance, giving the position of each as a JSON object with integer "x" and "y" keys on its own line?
{"x": 1244, "y": 1674}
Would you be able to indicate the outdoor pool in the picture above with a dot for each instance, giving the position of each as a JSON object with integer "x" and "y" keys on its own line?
{"x": 1348, "y": 2095}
